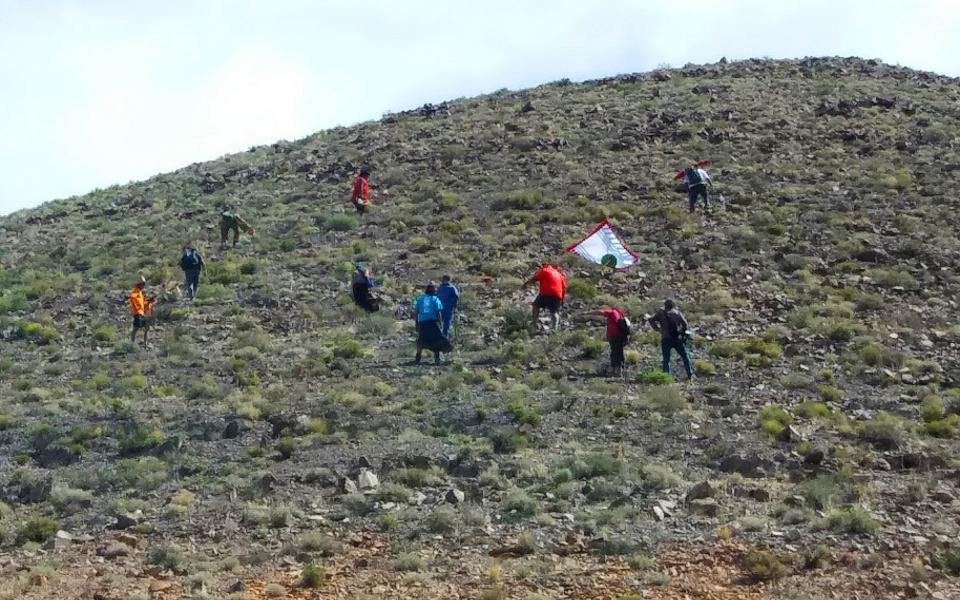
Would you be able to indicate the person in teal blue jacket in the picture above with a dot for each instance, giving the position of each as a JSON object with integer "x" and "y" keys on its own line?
{"x": 429, "y": 312}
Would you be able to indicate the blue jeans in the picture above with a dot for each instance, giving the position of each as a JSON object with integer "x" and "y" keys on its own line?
{"x": 447, "y": 321}
{"x": 675, "y": 343}
{"x": 699, "y": 190}
{"x": 192, "y": 282}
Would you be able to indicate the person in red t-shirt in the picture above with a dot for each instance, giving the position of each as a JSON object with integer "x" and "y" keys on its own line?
{"x": 553, "y": 288}
{"x": 617, "y": 335}
{"x": 361, "y": 192}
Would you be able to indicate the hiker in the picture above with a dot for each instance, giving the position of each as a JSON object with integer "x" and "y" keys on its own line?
{"x": 360, "y": 286}
{"x": 449, "y": 296}
{"x": 553, "y": 287}
{"x": 142, "y": 309}
{"x": 428, "y": 315}
{"x": 618, "y": 333}
{"x": 191, "y": 262}
{"x": 361, "y": 192}
{"x": 672, "y": 325}
{"x": 697, "y": 180}
{"x": 230, "y": 220}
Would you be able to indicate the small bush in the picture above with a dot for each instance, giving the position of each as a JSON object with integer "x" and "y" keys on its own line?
{"x": 767, "y": 566}
{"x": 852, "y": 520}
{"x": 408, "y": 562}
{"x": 660, "y": 477}
{"x": 826, "y": 489}
{"x": 830, "y": 393}
{"x": 38, "y": 530}
{"x": 520, "y": 505}
{"x": 704, "y": 367}
{"x": 312, "y": 576}
{"x": 105, "y": 333}
{"x": 342, "y": 223}
{"x": 168, "y": 556}
{"x": 656, "y": 377}
{"x": 884, "y": 431}
{"x": 812, "y": 410}
{"x": 582, "y": 289}
{"x": 443, "y": 519}
{"x": 665, "y": 399}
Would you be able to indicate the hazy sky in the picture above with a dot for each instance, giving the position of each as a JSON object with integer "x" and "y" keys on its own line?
{"x": 97, "y": 92}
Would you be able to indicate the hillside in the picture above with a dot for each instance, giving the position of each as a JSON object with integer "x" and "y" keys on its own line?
{"x": 816, "y": 454}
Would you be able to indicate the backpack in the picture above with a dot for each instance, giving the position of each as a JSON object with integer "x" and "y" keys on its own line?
{"x": 675, "y": 325}
{"x": 693, "y": 177}
{"x": 190, "y": 260}
{"x": 626, "y": 327}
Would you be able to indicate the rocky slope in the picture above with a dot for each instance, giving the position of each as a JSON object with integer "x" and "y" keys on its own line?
{"x": 269, "y": 426}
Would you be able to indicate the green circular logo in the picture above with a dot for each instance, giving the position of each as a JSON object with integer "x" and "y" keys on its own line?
{"x": 609, "y": 260}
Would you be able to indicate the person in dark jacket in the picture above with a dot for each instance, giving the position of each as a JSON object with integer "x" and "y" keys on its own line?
{"x": 449, "y": 297}
{"x": 360, "y": 286}
{"x": 697, "y": 180}
{"x": 617, "y": 335}
{"x": 672, "y": 325}
{"x": 428, "y": 316}
{"x": 191, "y": 262}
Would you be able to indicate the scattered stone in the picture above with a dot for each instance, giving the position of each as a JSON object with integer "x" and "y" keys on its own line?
{"x": 126, "y": 520}
{"x": 114, "y": 550}
{"x": 232, "y": 430}
{"x": 267, "y": 483}
{"x": 364, "y": 463}
{"x": 701, "y": 490}
{"x": 128, "y": 539}
{"x": 237, "y": 587}
{"x": 748, "y": 466}
{"x": 795, "y": 501}
{"x": 706, "y": 507}
{"x": 455, "y": 496}
{"x": 418, "y": 462}
{"x": 814, "y": 457}
{"x": 658, "y": 513}
{"x": 35, "y": 492}
{"x": 790, "y": 434}
{"x": 348, "y": 486}
{"x": 942, "y": 496}
{"x": 368, "y": 480}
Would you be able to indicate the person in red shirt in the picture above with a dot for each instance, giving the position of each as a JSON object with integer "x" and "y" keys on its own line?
{"x": 618, "y": 332}
{"x": 553, "y": 288}
{"x": 361, "y": 192}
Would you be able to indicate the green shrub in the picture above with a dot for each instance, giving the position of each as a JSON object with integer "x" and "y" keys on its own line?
{"x": 105, "y": 333}
{"x": 168, "y": 556}
{"x": 726, "y": 349}
{"x": 884, "y": 431}
{"x": 342, "y": 223}
{"x": 37, "y": 529}
{"x": 312, "y": 576}
{"x": 139, "y": 439}
{"x": 812, "y": 410}
{"x": 519, "y": 504}
{"x": 932, "y": 410}
{"x": 942, "y": 428}
{"x": 772, "y": 412}
{"x": 660, "y": 477}
{"x": 763, "y": 348}
{"x": 830, "y": 393}
{"x": 507, "y": 441}
{"x": 826, "y": 489}
{"x": 582, "y": 289}
{"x": 767, "y": 566}
{"x": 891, "y": 278}
{"x": 516, "y": 323}
{"x": 852, "y": 520}
{"x": 656, "y": 377}
{"x": 408, "y": 562}
{"x": 665, "y": 399}
{"x": 704, "y": 367}
{"x": 287, "y": 446}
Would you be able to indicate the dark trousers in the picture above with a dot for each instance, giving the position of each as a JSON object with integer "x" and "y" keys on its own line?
{"x": 191, "y": 282}
{"x": 225, "y": 229}
{"x": 697, "y": 190}
{"x": 675, "y": 343}
{"x": 616, "y": 351}
{"x": 447, "y": 321}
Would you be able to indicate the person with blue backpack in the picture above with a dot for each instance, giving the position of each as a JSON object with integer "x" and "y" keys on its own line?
{"x": 428, "y": 316}
{"x": 449, "y": 296}
{"x": 191, "y": 262}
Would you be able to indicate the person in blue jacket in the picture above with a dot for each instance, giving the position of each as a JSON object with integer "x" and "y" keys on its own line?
{"x": 449, "y": 296}
{"x": 428, "y": 315}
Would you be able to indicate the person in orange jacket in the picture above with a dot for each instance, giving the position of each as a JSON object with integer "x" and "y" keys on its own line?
{"x": 142, "y": 309}
{"x": 553, "y": 288}
{"x": 361, "y": 192}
